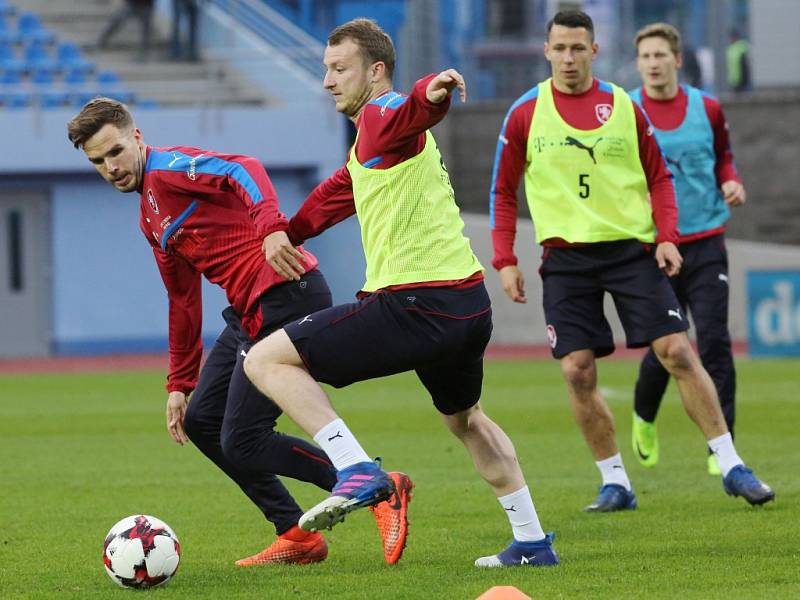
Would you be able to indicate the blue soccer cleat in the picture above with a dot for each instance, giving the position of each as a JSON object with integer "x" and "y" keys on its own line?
{"x": 524, "y": 554}
{"x": 358, "y": 486}
{"x": 740, "y": 481}
{"x": 612, "y": 497}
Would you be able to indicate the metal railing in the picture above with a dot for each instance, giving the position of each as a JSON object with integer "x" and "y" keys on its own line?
{"x": 277, "y": 31}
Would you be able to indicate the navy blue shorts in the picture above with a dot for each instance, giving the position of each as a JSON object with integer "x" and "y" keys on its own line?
{"x": 575, "y": 281}
{"x": 440, "y": 333}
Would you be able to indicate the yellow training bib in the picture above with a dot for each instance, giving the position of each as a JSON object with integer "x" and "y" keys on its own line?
{"x": 586, "y": 186}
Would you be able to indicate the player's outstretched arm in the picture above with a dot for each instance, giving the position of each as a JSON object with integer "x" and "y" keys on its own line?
{"x": 176, "y": 411}
{"x": 444, "y": 83}
{"x": 283, "y": 256}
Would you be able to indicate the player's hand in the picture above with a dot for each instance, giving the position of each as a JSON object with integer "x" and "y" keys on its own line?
{"x": 669, "y": 259}
{"x": 176, "y": 411}
{"x": 513, "y": 283}
{"x": 444, "y": 83}
{"x": 733, "y": 193}
{"x": 282, "y": 256}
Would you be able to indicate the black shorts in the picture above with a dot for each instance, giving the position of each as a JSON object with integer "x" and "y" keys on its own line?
{"x": 440, "y": 333}
{"x": 282, "y": 304}
{"x": 575, "y": 281}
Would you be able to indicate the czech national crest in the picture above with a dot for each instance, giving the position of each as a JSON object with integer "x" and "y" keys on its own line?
{"x": 602, "y": 112}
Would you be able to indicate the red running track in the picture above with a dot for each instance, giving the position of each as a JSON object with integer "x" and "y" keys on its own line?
{"x": 150, "y": 362}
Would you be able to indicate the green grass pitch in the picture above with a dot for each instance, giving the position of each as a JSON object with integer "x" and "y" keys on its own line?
{"x": 80, "y": 452}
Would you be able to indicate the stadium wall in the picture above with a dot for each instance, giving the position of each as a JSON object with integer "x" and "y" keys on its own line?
{"x": 104, "y": 293}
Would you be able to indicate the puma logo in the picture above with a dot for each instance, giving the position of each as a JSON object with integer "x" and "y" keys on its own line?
{"x": 511, "y": 508}
{"x": 306, "y": 318}
{"x": 676, "y": 162}
{"x": 571, "y": 141}
{"x": 338, "y": 435}
{"x": 675, "y": 313}
{"x": 175, "y": 159}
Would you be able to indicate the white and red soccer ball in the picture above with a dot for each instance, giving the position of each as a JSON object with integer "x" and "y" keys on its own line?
{"x": 141, "y": 552}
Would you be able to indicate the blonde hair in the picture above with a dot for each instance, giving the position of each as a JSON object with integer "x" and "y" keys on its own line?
{"x": 661, "y": 30}
{"x": 374, "y": 43}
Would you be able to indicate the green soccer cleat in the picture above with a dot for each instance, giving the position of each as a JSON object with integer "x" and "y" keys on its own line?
{"x": 713, "y": 466}
{"x": 645, "y": 441}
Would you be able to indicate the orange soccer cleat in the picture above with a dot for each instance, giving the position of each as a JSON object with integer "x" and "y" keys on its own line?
{"x": 292, "y": 547}
{"x": 391, "y": 517}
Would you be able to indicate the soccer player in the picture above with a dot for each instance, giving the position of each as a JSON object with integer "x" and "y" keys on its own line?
{"x": 603, "y": 204}
{"x": 423, "y": 306}
{"x": 693, "y": 135}
{"x": 210, "y": 214}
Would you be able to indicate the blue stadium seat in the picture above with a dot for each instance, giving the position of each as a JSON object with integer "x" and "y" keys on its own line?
{"x": 37, "y": 56}
{"x": 107, "y": 78}
{"x": 75, "y": 76}
{"x": 7, "y": 9}
{"x": 118, "y": 93}
{"x": 10, "y": 76}
{"x": 80, "y": 98}
{"x": 30, "y": 28}
{"x": 69, "y": 56}
{"x": 8, "y": 57}
{"x": 49, "y": 99}
{"x": 147, "y": 103}
{"x": 7, "y": 35}
{"x": 42, "y": 76}
{"x": 16, "y": 99}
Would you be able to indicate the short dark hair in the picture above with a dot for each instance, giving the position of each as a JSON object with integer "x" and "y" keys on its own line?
{"x": 572, "y": 19}
{"x": 374, "y": 42}
{"x": 94, "y": 115}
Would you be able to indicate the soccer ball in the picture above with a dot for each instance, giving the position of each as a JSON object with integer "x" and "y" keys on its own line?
{"x": 141, "y": 552}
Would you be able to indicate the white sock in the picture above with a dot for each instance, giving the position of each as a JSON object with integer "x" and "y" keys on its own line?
{"x": 613, "y": 471}
{"x": 522, "y": 515}
{"x": 723, "y": 449}
{"x": 340, "y": 445}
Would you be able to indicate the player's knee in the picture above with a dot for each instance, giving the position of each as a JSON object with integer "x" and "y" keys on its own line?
{"x": 263, "y": 357}
{"x": 465, "y": 422}
{"x": 676, "y": 353}
{"x": 236, "y": 447}
{"x": 257, "y": 360}
{"x": 579, "y": 371}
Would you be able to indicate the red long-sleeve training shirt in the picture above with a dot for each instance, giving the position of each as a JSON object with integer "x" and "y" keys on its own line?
{"x": 582, "y": 111}
{"x": 206, "y": 213}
